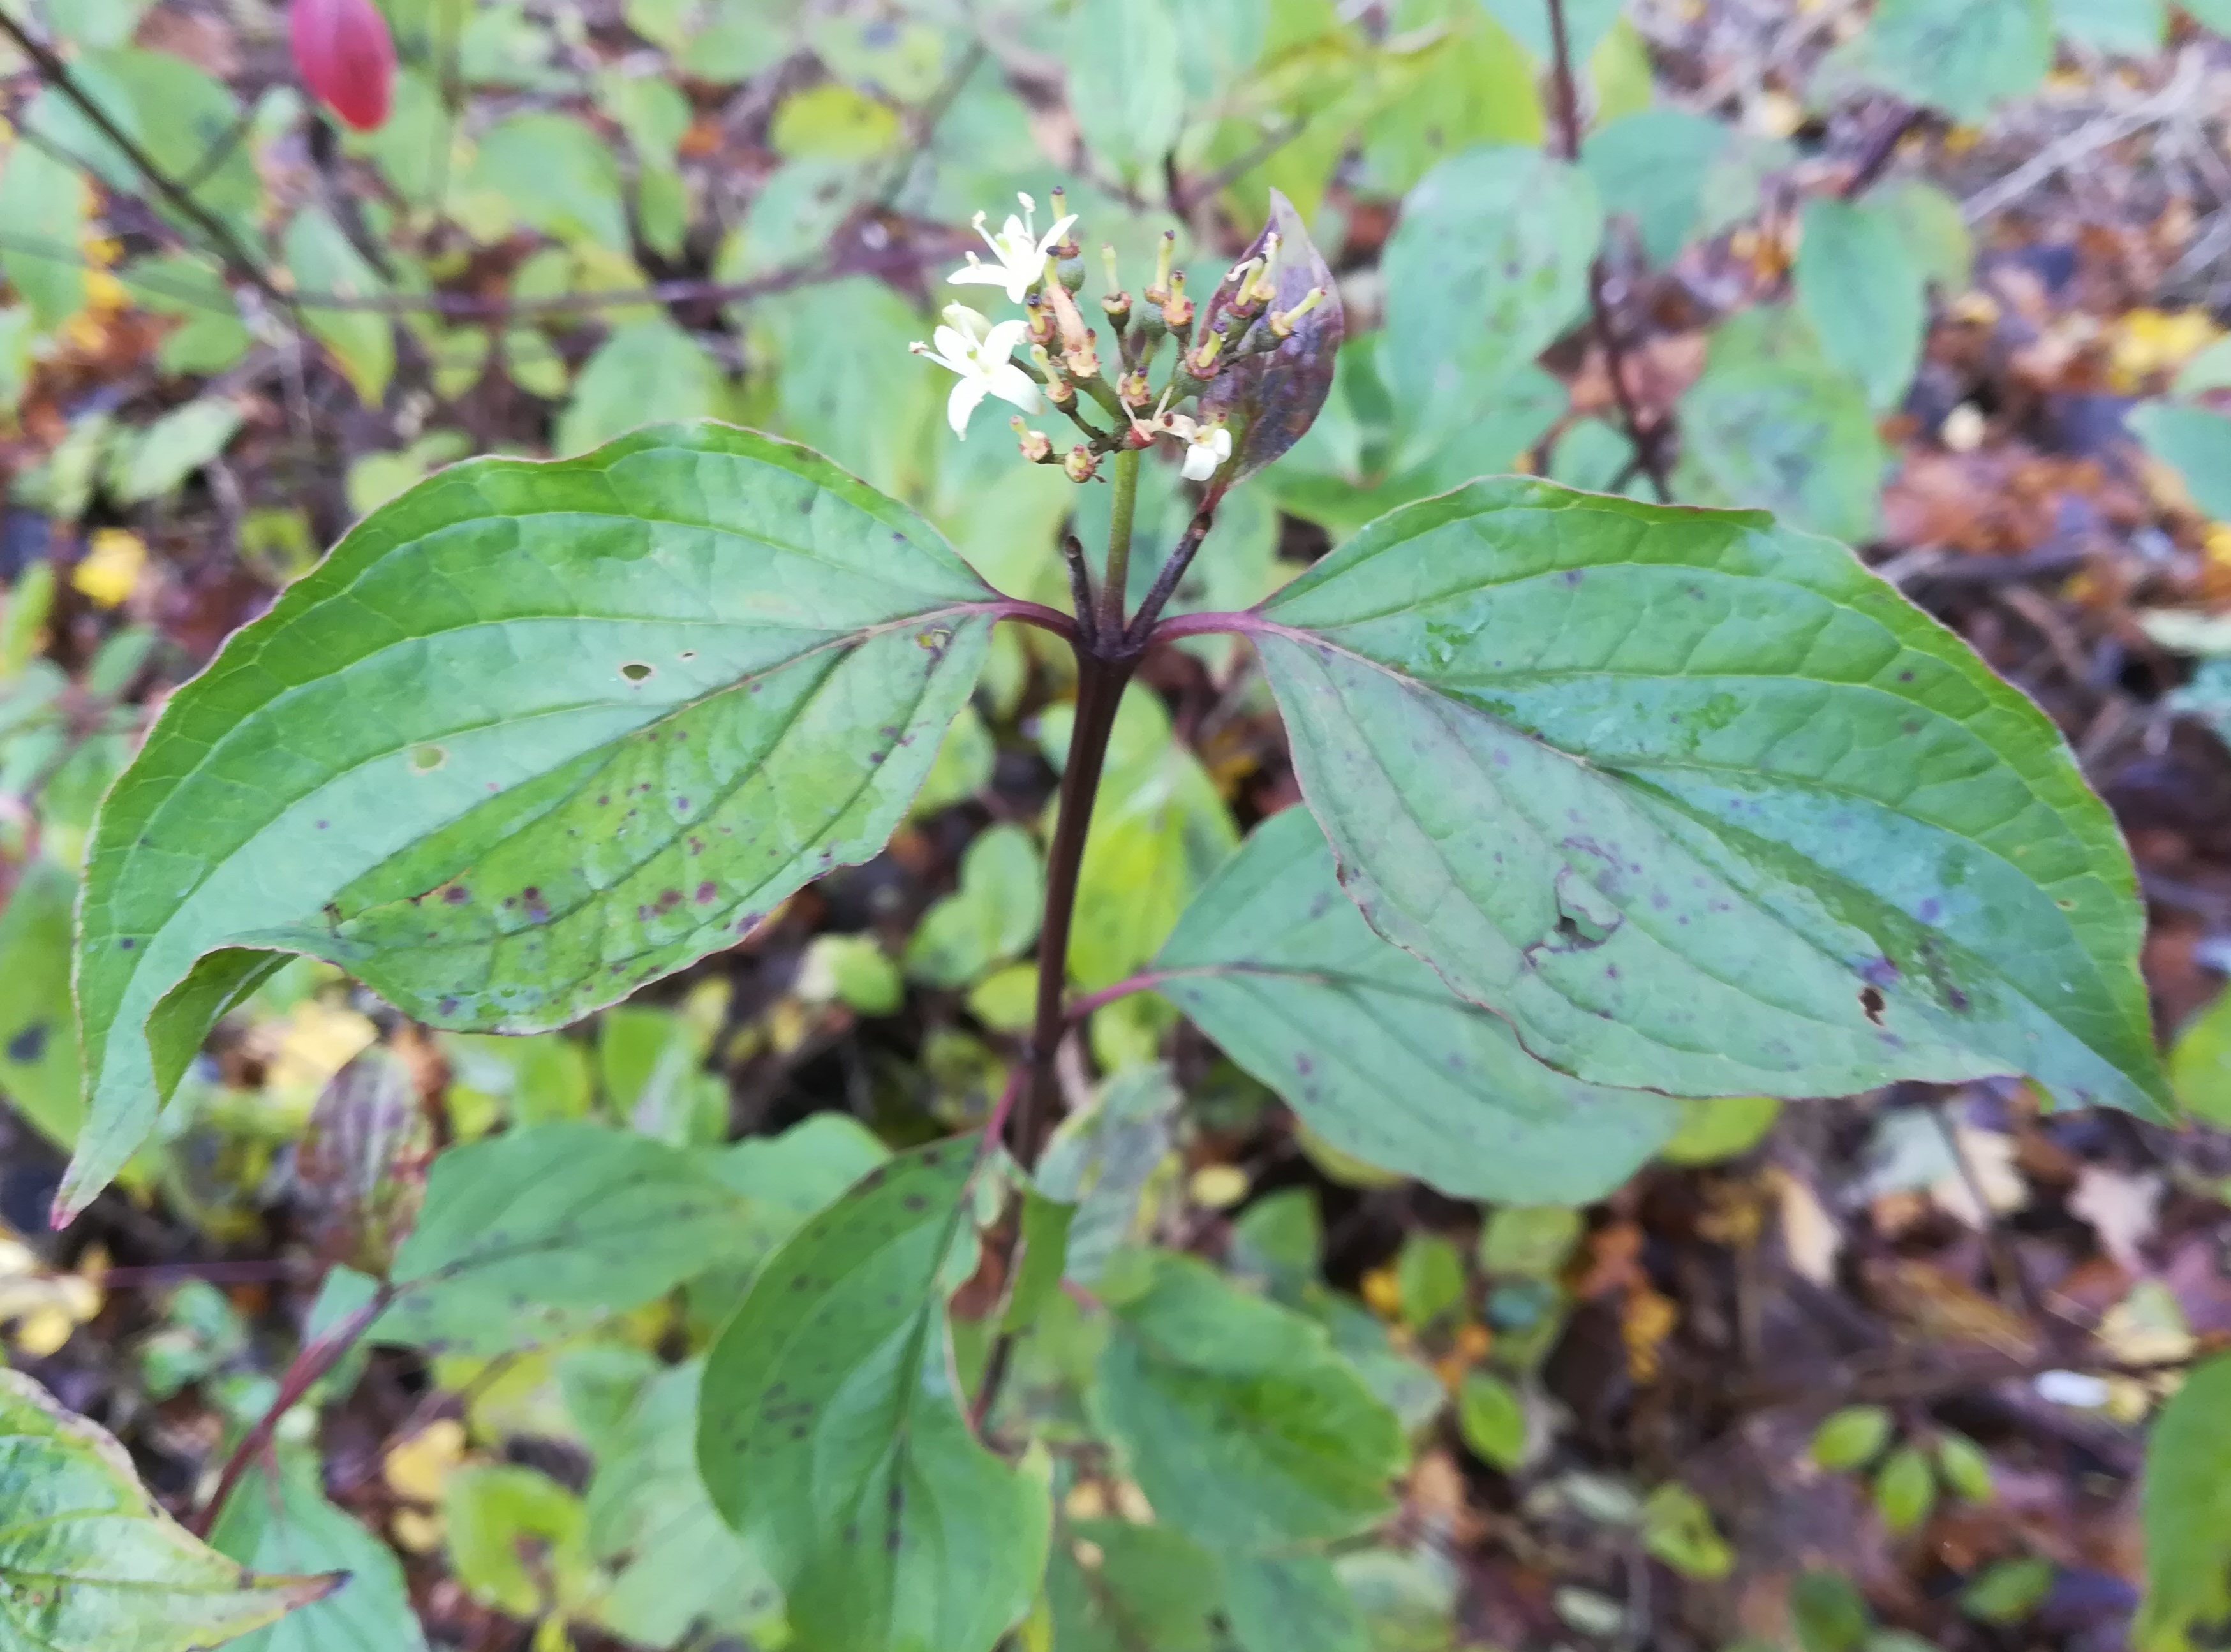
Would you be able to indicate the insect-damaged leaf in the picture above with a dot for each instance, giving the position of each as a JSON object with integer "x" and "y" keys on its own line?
{"x": 1701, "y": 804}
{"x": 89, "y": 1564}
{"x": 830, "y": 1436}
{"x": 1372, "y": 1048}
{"x": 532, "y": 735}
{"x": 539, "y": 1232}
{"x": 1270, "y": 399}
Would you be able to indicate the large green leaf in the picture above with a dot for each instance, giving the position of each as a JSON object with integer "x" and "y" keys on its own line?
{"x": 1489, "y": 264}
{"x": 2187, "y": 1513}
{"x": 829, "y": 1435}
{"x": 43, "y": 202}
{"x": 1372, "y": 1048}
{"x": 282, "y": 1522}
{"x": 1134, "y": 1588}
{"x": 535, "y": 1233}
{"x": 1652, "y": 166}
{"x": 1244, "y": 1428}
{"x": 173, "y": 110}
{"x": 1701, "y": 806}
{"x": 2195, "y": 443}
{"x": 532, "y": 735}
{"x": 89, "y": 1564}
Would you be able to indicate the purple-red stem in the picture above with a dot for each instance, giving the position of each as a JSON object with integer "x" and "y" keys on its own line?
{"x": 310, "y": 1363}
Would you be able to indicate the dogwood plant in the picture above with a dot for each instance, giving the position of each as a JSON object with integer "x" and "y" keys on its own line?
{"x": 1601, "y": 802}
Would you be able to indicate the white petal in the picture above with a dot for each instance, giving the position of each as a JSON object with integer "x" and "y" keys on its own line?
{"x": 1020, "y": 282}
{"x": 958, "y": 406}
{"x": 1013, "y": 233}
{"x": 966, "y": 322}
{"x": 953, "y": 350}
{"x": 1011, "y": 384}
{"x": 1001, "y": 341}
{"x": 1179, "y": 425}
{"x": 1053, "y": 235}
{"x": 979, "y": 276}
{"x": 1221, "y": 441}
{"x": 1199, "y": 464}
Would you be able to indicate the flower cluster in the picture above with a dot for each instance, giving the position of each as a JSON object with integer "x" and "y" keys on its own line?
{"x": 1061, "y": 355}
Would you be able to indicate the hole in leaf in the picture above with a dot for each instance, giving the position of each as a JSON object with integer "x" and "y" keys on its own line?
{"x": 427, "y": 758}
{"x": 686, "y": 654}
{"x": 1870, "y": 1000}
{"x": 635, "y": 671}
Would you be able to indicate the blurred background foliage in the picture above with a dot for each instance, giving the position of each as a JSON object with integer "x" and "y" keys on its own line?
{"x": 1940, "y": 278}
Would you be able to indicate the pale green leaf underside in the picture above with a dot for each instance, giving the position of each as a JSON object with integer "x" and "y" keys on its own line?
{"x": 538, "y": 1233}
{"x": 829, "y": 1435}
{"x": 532, "y": 735}
{"x": 89, "y": 1564}
{"x": 1372, "y": 1048}
{"x": 1702, "y": 806}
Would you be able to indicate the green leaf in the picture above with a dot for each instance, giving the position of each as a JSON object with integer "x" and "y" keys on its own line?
{"x": 853, "y": 970}
{"x": 2122, "y": 28}
{"x": 1487, "y": 267}
{"x": 1134, "y": 1587}
{"x": 1371, "y": 1048}
{"x": 1770, "y": 423}
{"x": 2195, "y": 443}
{"x": 2209, "y": 14}
{"x": 1789, "y": 837}
{"x": 833, "y": 122}
{"x": 39, "y": 1073}
{"x": 830, "y": 1437}
{"x": 538, "y": 1232}
{"x": 549, "y": 731}
{"x": 1861, "y": 286}
{"x": 1101, "y": 1159}
{"x": 1126, "y": 61}
{"x": 1965, "y": 1468}
{"x": 1464, "y": 81}
{"x": 551, "y": 173}
{"x": 42, "y": 202}
{"x": 784, "y": 1180}
{"x": 518, "y": 1539}
{"x": 1587, "y": 21}
{"x": 1678, "y": 1529}
{"x": 1651, "y": 166}
{"x": 1492, "y": 1419}
{"x": 2185, "y": 1510}
{"x": 1962, "y": 56}
{"x": 2199, "y": 1062}
{"x": 1291, "y": 1603}
{"x": 2008, "y": 1592}
{"x": 646, "y": 372}
{"x": 1905, "y": 1488}
{"x": 1827, "y": 1612}
{"x": 157, "y": 460}
{"x": 282, "y": 1522}
{"x": 1720, "y": 1126}
{"x": 1852, "y": 1437}
{"x": 1242, "y": 1425}
{"x": 88, "y": 1563}
{"x": 1159, "y": 829}
{"x": 1935, "y": 233}
{"x": 992, "y": 917}
{"x": 172, "y": 110}
{"x": 675, "y": 1561}
{"x": 362, "y": 342}
{"x": 1529, "y": 1242}
{"x": 1430, "y": 1271}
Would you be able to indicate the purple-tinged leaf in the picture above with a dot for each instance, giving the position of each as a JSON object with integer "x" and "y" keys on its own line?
{"x": 1270, "y": 399}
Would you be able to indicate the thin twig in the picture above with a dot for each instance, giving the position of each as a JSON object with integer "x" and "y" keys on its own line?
{"x": 312, "y": 1362}
{"x": 1183, "y": 201}
{"x": 1165, "y": 582}
{"x": 55, "y": 72}
{"x": 1880, "y": 150}
{"x": 1644, "y": 437}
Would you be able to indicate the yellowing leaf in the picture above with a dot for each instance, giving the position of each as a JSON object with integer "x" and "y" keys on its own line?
{"x": 111, "y": 567}
{"x": 417, "y": 1469}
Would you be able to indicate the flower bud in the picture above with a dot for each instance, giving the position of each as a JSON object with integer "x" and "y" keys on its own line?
{"x": 1041, "y": 319}
{"x": 1037, "y": 446}
{"x": 1085, "y": 363}
{"x": 1058, "y": 390}
{"x": 1133, "y": 390}
{"x": 1080, "y": 466}
{"x": 1177, "y": 309}
{"x": 345, "y": 57}
{"x": 1282, "y": 321}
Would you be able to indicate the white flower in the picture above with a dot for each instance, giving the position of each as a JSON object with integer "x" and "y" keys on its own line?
{"x": 971, "y": 346}
{"x": 1208, "y": 446}
{"x": 1020, "y": 248}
